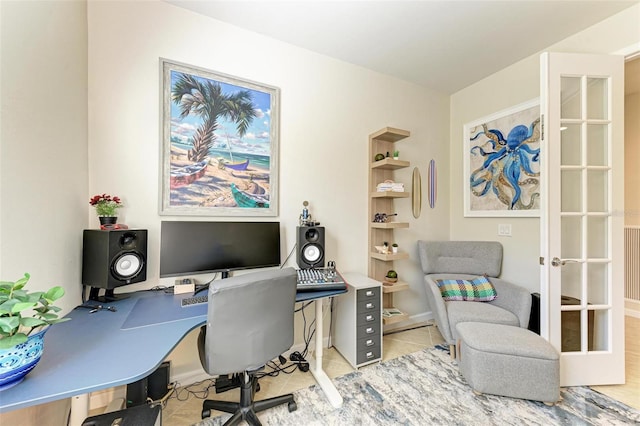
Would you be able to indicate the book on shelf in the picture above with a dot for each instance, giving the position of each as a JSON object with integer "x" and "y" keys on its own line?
{"x": 390, "y": 186}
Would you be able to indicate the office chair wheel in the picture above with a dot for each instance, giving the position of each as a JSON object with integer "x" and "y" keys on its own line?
{"x": 206, "y": 413}
{"x": 292, "y": 406}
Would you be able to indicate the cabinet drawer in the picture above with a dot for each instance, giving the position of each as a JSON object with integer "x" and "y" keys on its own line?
{"x": 368, "y": 306}
{"x": 371, "y": 317}
{"x": 368, "y": 330}
{"x": 372, "y": 293}
{"x": 368, "y": 343}
{"x": 368, "y": 354}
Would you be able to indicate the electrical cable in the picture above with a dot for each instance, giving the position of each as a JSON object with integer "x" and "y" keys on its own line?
{"x": 290, "y": 253}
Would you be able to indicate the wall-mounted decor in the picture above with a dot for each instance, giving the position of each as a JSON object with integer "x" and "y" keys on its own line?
{"x": 502, "y": 163}
{"x": 433, "y": 183}
{"x": 219, "y": 144}
{"x": 416, "y": 193}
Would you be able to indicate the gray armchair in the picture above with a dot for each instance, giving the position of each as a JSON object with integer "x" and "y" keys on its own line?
{"x": 249, "y": 323}
{"x": 445, "y": 260}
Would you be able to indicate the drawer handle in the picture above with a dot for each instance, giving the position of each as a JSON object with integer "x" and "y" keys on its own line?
{"x": 369, "y": 293}
{"x": 370, "y": 305}
{"x": 369, "y": 330}
{"x": 369, "y": 342}
{"x": 369, "y": 355}
{"x": 369, "y": 318}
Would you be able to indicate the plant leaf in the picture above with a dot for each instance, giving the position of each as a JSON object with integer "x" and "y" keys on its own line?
{"x": 54, "y": 293}
{"x": 22, "y": 306}
{"x": 16, "y": 339}
{"x": 9, "y": 324}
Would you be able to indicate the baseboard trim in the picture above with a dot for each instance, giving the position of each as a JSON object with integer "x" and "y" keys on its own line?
{"x": 632, "y": 308}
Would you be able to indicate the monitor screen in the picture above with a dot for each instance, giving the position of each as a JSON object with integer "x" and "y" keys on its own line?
{"x": 201, "y": 247}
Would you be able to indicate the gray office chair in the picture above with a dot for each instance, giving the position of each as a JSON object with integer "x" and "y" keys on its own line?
{"x": 249, "y": 323}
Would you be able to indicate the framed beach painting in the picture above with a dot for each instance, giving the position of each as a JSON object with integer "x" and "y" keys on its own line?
{"x": 219, "y": 150}
{"x": 502, "y": 163}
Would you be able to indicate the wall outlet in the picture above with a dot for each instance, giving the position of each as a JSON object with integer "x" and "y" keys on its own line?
{"x": 504, "y": 230}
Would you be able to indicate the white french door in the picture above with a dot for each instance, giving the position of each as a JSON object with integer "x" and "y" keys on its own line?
{"x": 581, "y": 221}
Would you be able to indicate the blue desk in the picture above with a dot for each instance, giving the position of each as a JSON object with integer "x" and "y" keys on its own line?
{"x": 106, "y": 349}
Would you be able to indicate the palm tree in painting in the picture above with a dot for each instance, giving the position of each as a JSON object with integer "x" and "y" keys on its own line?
{"x": 205, "y": 99}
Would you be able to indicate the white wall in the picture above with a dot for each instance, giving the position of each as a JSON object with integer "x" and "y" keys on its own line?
{"x": 328, "y": 109}
{"x": 43, "y": 155}
{"x": 43, "y": 161}
{"x": 504, "y": 89}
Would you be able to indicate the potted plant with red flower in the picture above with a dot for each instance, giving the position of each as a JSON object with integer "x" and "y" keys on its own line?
{"x": 106, "y": 207}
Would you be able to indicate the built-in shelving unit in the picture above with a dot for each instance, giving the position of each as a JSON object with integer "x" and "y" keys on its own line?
{"x": 383, "y": 142}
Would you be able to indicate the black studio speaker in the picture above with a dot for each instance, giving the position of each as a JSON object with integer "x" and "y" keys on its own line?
{"x": 114, "y": 258}
{"x": 310, "y": 244}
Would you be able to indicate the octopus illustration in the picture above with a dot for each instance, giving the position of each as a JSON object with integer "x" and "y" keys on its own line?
{"x": 509, "y": 165}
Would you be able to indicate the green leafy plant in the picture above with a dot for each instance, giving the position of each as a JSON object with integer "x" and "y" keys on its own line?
{"x": 22, "y": 312}
{"x": 392, "y": 274}
{"x": 106, "y": 205}
{"x": 394, "y": 245}
{"x": 396, "y": 153}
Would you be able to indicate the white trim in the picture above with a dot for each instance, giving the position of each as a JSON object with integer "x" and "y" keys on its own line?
{"x": 629, "y": 52}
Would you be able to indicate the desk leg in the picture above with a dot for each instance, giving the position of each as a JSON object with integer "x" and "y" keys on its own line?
{"x": 79, "y": 409}
{"x": 315, "y": 366}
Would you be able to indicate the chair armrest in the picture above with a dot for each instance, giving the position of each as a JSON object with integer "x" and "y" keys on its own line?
{"x": 514, "y": 299}
{"x": 438, "y": 305}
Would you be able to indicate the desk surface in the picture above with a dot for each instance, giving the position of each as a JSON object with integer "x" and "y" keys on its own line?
{"x": 106, "y": 349}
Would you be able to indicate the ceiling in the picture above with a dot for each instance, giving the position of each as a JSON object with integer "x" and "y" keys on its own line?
{"x": 443, "y": 45}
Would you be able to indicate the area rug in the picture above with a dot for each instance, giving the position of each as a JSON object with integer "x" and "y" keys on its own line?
{"x": 426, "y": 388}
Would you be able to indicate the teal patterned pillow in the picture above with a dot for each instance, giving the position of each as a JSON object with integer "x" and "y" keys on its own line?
{"x": 477, "y": 290}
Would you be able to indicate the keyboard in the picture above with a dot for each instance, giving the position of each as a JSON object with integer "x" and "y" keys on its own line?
{"x": 194, "y": 300}
{"x": 320, "y": 279}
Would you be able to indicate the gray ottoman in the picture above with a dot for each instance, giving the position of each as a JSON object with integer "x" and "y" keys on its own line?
{"x": 509, "y": 361}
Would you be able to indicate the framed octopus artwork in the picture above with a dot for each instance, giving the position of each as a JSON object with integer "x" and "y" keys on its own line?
{"x": 502, "y": 163}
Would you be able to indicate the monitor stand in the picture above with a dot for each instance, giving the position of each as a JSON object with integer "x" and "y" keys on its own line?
{"x": 109, "y": 296}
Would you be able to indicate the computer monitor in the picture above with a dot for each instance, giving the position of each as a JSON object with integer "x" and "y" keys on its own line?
{"x": 195, "y": 247}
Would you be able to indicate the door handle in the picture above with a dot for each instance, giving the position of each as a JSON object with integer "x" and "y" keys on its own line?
{"x": 561, "y": 262}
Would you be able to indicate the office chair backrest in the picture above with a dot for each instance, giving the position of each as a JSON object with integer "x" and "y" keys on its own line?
{"x": 461, "y": 257}
{"x": 249, "y": 320}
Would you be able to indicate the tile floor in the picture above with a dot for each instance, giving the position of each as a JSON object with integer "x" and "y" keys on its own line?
{"x": 186, "y": 411}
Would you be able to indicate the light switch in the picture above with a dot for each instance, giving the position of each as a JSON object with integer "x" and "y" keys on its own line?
{"x": 504, "y": 230}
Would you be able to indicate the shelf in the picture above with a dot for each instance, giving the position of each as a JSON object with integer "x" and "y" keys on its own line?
{"x": 389, "y": 225}
{"x": 390, "y": 256}
{"x": 390, "y": 164}
{"x": 394, "y": 319}
{"x": 390, "y": 194}
{"x": 398, "y": 286}
{"x": 390, "y": 134}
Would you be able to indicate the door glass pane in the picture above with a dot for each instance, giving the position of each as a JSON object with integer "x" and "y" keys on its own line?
{"x": 570, "y": 98}
{"x": 597, "y": 288}
{"x": 571, "y": 275}
{"x": 597, "y": 183}
{"x": 570, "y": 191}
{"x": 570, "y": 152}
{"x": 570, "y": 328}
{"x": 597, "y": 238}
{"x": 597, "y": 145}
{"x": 597, "y": 99}
{"x": 571, "y": 237}
{"x": 599, "y": 330}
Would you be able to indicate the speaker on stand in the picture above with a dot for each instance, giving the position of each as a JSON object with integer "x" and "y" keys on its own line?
{"x": 310, "y": 247}
{"x": 111, "y": 259}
